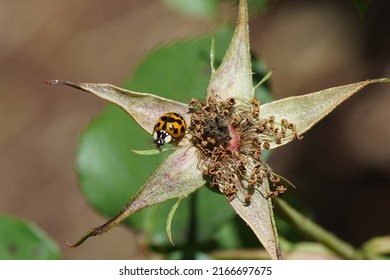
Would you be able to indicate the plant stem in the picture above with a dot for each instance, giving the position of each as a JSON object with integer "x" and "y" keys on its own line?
{"x": 316, "y": 232}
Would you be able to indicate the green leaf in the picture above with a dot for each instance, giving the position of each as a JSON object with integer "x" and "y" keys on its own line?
{"x": 209, "y": 8}
{"x": 164, "y": 184}
{"x": 361, "y": 7}
{"x": 196, "y": 220}
{"x": 181, "y": 70}
{"x": 109, "y": 173}
{"x": 236, "y": 234}
{"x": 256, "y": 6}
{"x": 22, "y": 240}
{"x": 199, "y": 8}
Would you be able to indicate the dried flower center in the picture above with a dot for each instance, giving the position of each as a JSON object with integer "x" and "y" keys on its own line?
{"x": 230, "y": 139}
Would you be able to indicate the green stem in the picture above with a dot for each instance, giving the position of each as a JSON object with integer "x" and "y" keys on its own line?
{"x": 316, "y": 232}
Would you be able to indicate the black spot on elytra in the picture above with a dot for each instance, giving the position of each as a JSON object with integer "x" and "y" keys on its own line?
{"x": 157, "y": 126}
{"x": 174, "y": 120}
{"x": 164, "y": 126}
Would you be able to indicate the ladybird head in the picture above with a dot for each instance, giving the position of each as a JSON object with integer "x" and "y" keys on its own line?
{"x": 161, "y": 137}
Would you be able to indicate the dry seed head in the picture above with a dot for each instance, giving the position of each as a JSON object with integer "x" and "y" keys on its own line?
{"x": 230, "y": 139}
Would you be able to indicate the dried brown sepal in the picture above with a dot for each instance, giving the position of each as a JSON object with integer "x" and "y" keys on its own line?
{"x": 304, "y": 111}
{"x": 144, "y": 108}
{"x": 161, "y": 186}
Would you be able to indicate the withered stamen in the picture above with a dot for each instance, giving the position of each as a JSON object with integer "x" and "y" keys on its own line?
{"x": 230, "y": 139}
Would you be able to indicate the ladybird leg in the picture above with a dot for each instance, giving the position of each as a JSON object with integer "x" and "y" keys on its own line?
{"x": 159, "y": 143}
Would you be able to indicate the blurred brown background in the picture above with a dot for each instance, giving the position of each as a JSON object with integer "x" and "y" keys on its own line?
{"x": 341, "y": 168}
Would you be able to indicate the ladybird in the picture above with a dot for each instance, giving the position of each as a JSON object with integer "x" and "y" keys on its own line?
{"x": 170, "y": 126}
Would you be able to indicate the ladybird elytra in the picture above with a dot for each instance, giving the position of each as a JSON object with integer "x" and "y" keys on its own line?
{"x": 169, "y": 127}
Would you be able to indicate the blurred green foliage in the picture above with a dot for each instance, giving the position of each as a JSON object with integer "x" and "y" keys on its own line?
{"x": 209, "y": 8}
{"x": 361, "y": 7}
{"x": 22, "y": 240}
